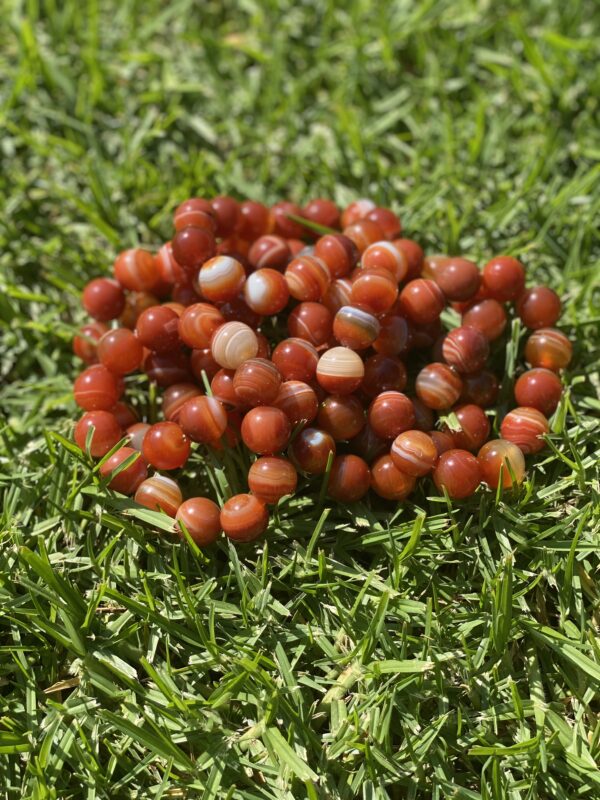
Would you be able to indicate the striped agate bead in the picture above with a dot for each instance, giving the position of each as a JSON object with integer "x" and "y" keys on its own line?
{"x": 340, "y": 370}
{"x": 307, "y": 278}
{"x": 232, "y": 344}
{"x": 438, "y": 386}
{"x": 198, "y": 323}
{"x": 220, "y": 279}
{"x": 524, "y": 426}
{"x": 159, "y": 493}
{"x": 414, "y": 452}
{"x": 465, "y": 349}
{"x": 548, "y": 348}
{"x": 355, "y": 327}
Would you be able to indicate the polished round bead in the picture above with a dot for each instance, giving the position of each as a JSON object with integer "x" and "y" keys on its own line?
{"x": 266, "y": 430}
{"x": 504, "y": 278}
{"x": 337, "y": 295}
{"x": 501, "y": 462}
{"x": 222, "y": 389}
{"x": 414, "y": 256}
{"x": 363, "y": 233}
{"x": 296, "y": 246}
{"x": 135, "y": 304}
{"x": 175, "y": 397}
{"x": 357, "y": 210}
{"x": 137, "y": 270}
{"x": 391, "y": 413}
{"x": 170, "y": 271}
{"x": 338, "y": 252}
{"x": 548, "y": 348}
{"x": 192, "y": 246}
{"x": 414, "y": 453}
{"x": 201, "y": 518}
{"x": 438, "y": 386}
{"x": 355, "y": 327}
{"x": 342, "y": 416}
{"x": 272, "y": 477}
{"x": 203, "y": 361}
{"x": 524, "y": 426}
{"x": 256, "y": 382}
{"x": 311, "y": 449}
{"x": 488, "y": 316}
{"x": 85, "y": 341}
{"x": 311, "y": 321}
{"x": 443, "y": 441}
{"x": 296, "y": 359}
{"x": 221, "y": 279}
{"x": 349, "y": 479}
{"x": 232, "y": 344}
{"x": 169, "y": 368}
{"x": 103, "y": 299}
{"x": 307, "y": 278}
{"x": 203, "y": 419}
{"x": 157, "y": 329}
{"x": 227, "y": 212}
{"x": 266, "y": 291}
{"x": 269, "y": 252}
{"x": 106, "y": 432}
{"x": 458, "y": 472}
{"x": 390, "y": 482}
{"x": 386, "y": 219}
{"x": 340, "y": 370}
{"x": 322, "y": 211}
{"x": 465, "y": 349}
{"x": 198, "y": 323}
{"x": 127, "y": 480}
{"x": 474, "y": 427}
{"x": 458, "y": 278}
{"x": 120, "y": 351}
{"x": 135, "y": 435}
{"x": 539, "y": 388}
{"x": 374, "y": 289}
{"x": 283, "y": 224}
{"x": 96, "y": 389}
{"x": 421, "y": 301}
{"x": 159, "y": 493}
{"x": 395, "y": 336}
{"x": 383, "y": 373}
{"x": 195, "y": 211}
{"x": 480, "y": 388}
{"x": 244, "y": 518}
{"x": 385, "y": 255}
{"x": 539, "y": 307}
{"x": 165, "y": 446}
{"x": 298, "y": 402}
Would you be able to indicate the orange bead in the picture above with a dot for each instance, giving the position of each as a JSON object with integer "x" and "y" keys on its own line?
{"x": 539, "y": 388}
{"x": 175, "y": 397}
{"x": 120, "y": 351}
{"x": 524, "y": 426}
{"x": 474, "y": 427}
{"x": 298, "y": 402}
{"x": 85, "y": 341}
{"x": 386, "y": 219}
{"x": 349, "y": 479}
{"x": 383, "y": 373}
{"x": 337, "y": 295}
{"x": 501, "y": 461}
{"x": 157, "y": 329}
{"x": 421, "y": 301}
{"x": 226, "y": 211}
{"x": 106, "y": 432}
{"x": 323, "y": 212}
{"x": 357, "y": 210}
{"x": 438, "y": 386}
{"x": 192, "y": 246}
{"x": 414, "y": 453}
{"x": 311, "y": 321}
{"x": 458, "y": 472}
{"x": 266, "y": 430}
{"x": 203, "y": 419}
{"x": 269, "y": 252}
{"x": 374, "y": 289}
{"x": 311, "y": 450}
{"x": 458, "y": 278}
{"x": 271, "y": 477}
{"x": 465, "y": 349}
{"x": 256, "y": 382}
{"x": 548, "y": 348}
{"x": 338, "y": 252}
{"x": 136, "y": 270}
{"x": 504, "y": 278}
{"x": 395, "y": 336}
{"x": 254, "y": 220}
{"x": 356, "y": 328}
{"x": 266, "y": 291}
{"x": 296, "y": 359}
{"x": 363, "y": 233}
{"x": 244, "y": 518}
{"x": 220, "y": 279}
{"x": 202, "y": 519}
{"x": 159, "y": 493}
{"x": 385, "y": 255}
{"x": 169, "y": 368}
{"x": 307, "y": 278}
{"x": 480, "y": 388}
{"x": 340, "y": 370}
{"x": 389, "y": 482}
{"x": 232, "y": 344}
{"x": 165, "y": 446}
{"x": 390, "y": 414}
{"x": 539, "y": 307}
{"x": 414, "y": 256}
{"x": 128, "y": 479}
{"x": 194, "y": 211}
{"x": 96, "y": 389}
{"x": 198, "y": 323}
{"x": 341, "y": 416}
{"x": 488, "y": 316}
{"x": 103, "y": 299}
{"x": 135, "y": 435}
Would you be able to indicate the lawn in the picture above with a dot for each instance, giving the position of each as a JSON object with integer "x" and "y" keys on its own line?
{"x": 425, "y": 651}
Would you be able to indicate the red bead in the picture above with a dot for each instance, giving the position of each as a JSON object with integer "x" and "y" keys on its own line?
{"x": 548, "y": 348}
{"x": 414, "y": 256}
{"x": 124, "y": 414}
{"x": 128, "y": 480}
{"x": 135, "y": 303}
{"x": 539, "y": 388}
{"x": 254, "y": 220}
{"x": 414, "y": 453}
{"x": 539, "y": 307}
{"x": 474, "y": 427}
{"x": 311, "y": 449}
{"x": 201, "y": 518}
{"x": 283, "y": 225}
{"x": 307, "y": 278}
{"x": 500, "y": 460}
{"x": 443, "y": 441}
{"x": 192, "y": 246}
{"x": 383, "y": 373}
{"x": 271, "y": 477}
{"x": 340, "y": 371}
{"x": 480, "y": 388}
{"x": 136, "y": 434}
{"x": 232, "y": 344}
{"x": 323, "y": 212}
{"x": 266, "y": 430}
{"x": 363, "y": 233}
{"x": 349, "y": 479}
{"x": 424, "y": 416}
{"x": 137, "y": 270}
{"x": 103, "y": 299}
{"x": 296, "y": 359}
{"x": 465, "y": 349}
{"x": 244, "y": 518}
{"x": 298, "y": 402}
{"x": 157, "y": 329}
{"x": 389, "y": 482}
{"x": 421, "y": 301}
{"x": 524, "y": 426}
{"x": 198, "y": 323}
{"x": 195, "y": 211}
{"x": 375, "y": 289}
{"x": 385, "y": 255}
{"x": 202, "y": 360}
{"x": 120, "y": 351}
{"x": 227, "y": 213}
{"x": 236, "y": 247}
{"x": 488, "y": 316}
{"x": 337, "y": 295}
{"x": 256, "y": 382}
{"x": 341, "y": 416}
{"x": 271, "y": 252}
{"x": 175, "y": 397}
{"x": 438, "y": 386}
{"x": 96, "y": 389}
{"x": 266, "y": 291}
{"x": 178, "y": 308}
{"x": 395, "y": 336}
{"x": 357, "y": 210}
{"x": 338, "y": 252}
{"x": 355, "y": 327}
{"x": 221, "y": 387}
{"x": 106, "y": 432}
{"x": 458, "y": 278}
{"x": 220, "y": 279}
{"x": 296, "y": 246}
{"x": 388, "y": 221}
{"x": 170, "y": 271}
{"x": 165, "y": 445}
{"x": 311, "y": 321}
{"x": 169, "y": 368}
{"x": 391, "y": 413}
{"x": 458, "y": 472}
{"x": 85, "y": 342}
{"x": 159, "y": 493}
{"x": 504, "y": 278}
{"x": 203, "y": 419}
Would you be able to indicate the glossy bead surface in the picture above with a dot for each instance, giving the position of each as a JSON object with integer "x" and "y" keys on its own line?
{"x": 539, "y": 307}
{"x": 227, "y": 212}
{"x": 194, "y": 211}
{"x": 374, "y": 289}
{"x": 244, "y": 518}
{"x": 386, "y": 219}
{"x": 504, "y": 278}
{"x": 85, "y": 341}
{"x": 283, "y": 225}
{"x": 421, "y": 301}
{"x": 124, "y": 414}
{"x": 159, "y": 493}
{"x": 128, "y": 480}
{"x": 414, "y": 256}
{"x": 298, "y": 402}
{"x": 307, "y": 278}
{"x": 311, "y": 449}
{"x": 548, "y": 348}
{"x": 389, "y": 482}
{"x": 322, "y": 211}
{"x": 96, "y": 389}
{"x": 480, "y": 388}
{"x": 175, "y": 397}
{"x": 442, "y": 441}
{"x": 501, "y": 461}
{"x": 458, "y": 472}
{"x": 338, "y": 252}
{"x": 474, "y": 427}
{"x": 220, "y": 279}
{"x": 385, "y": 255}
{"x": 103, "y": 299}
{"x": 524, "y": 426}
{"x": 539, "y": 388}
{"x": 363, "y": 233}
{"x": 256, "y": 382}
{"x": 165, "y": 446}
{"x": 340, "y": 370}
{"x": 192, "y": 246}
{"x": 202, "y": 519}
{"x": 355, "y": 327}
{"x": 390, "y": 414}
{"x": 458, "y": 278}
{"x": 266, "y": 291}
{"x": 356, "y": 210}
{"x": 203, "y": 419}
{"x": 120, "y": 351}
{"x": 383, "y": 373}
{"x": 222, "y": 389}
{"x": 232, "y": 344}
{"x": 466, "y": 349}
{"x": 438, "y": 386}
{"x": 395, "y": 336}
{"x": 342, "y": 416}
{"x": 266, "y": 430}
{"x": 136, "y": 270}
{"x": 106, "y": 432}
{"x": 135, "y": 435}
{"x": 157, "y": 329}
{"x": 135, "y": 304}
{"x": 349, "y": 479}
{"x": 296, "y": 359}
{"x": 169, "y": 368}
{"x": 488, "y": 316}
{"x": 414, "y": 453}
{"x": 203, "y": 361}
{"x": 337, "y": 295}
{"x": 271, "y": 477}
{"x": 198, "y": 323}
{"x": 254, "y": 220}
{"x": 311, "y": 321}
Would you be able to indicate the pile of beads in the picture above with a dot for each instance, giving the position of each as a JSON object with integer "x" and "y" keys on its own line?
{"x": 311, "y": 340}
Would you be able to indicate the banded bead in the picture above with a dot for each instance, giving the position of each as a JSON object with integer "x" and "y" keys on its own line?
{"x": 414, "y": 453}
{"x": 355, "y": 327}
{"x": 349, "y": 479}
{"x": 501, "y": 461}
{"x": 389, "y": 482}
{"x": 232, "y": 344}
{"x": 340, "y": 370}
{"x": 307, "y": 278}
{"x": 272, "y": 477}
{"x": 524, "y": 426}
{"x": 548, "y": 348}
{"x": 159, "y": 493}
{"x": 438, "y": 386}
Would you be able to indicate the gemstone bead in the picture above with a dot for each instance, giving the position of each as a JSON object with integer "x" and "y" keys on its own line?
{"x": 458, "y": 278}
{"x": 159, "y": 493}
{"x": 135, "y": 435}
{"x": 385, "y": 255}
{"x": 194, "y": 211}
{"x": 266, "y": 430}
{"x": 103, "y": 299}
{"x": 357, "y": 210}
{"x": 363, "y": 233}
{"x": 438, "y": 386}
{"x": 504, "y": 278}
{"x": 198, "y": 323}
{"x": 221, "y": 279}
{"x": 342, "y": 416}
{"x": 128, "y": 479}
{"x": 192, "y": 246}
{"x": 355, "y": 327}
{"x": 524, "y": 426}
{"x": 383, "y": 373}
{"x": 307, "y": 278}
{"x": 157, "y": 329}
{"x": 96, "y": 389}
{"x": 169, "y": 368}
{"x": 337, "y": 295}
{"x": 120, "y": 351}
{"x": 270, "y": 252}
{"x": 203, "y": 419}
{"x": 340, "y": 370}
{"x": 488, "y": 316}
{"x": 374, "y": 289}
{"x": 310, "y": 450}
{"x": 414, "y": 256}
{"x": 175, "y": 397}
{"x": 421, "y": 301}
{"x": 548, "y": 348}
{"x": 389, "y": 482}
{"x": 106, "y": 432}
{"x": 466, "y": 349}
{"x": 311, "y": 321}
{"x": 272, "y": 477}
{"x": 474, "y": 427}
{"x": 338, "y": 252}
{"x": 202, "y": 519}
{"x": 458, "y": 472}
{"x": 390, "y": 414}
{"x": 232, "y": 344}
{"x": 539, "y": 388}
{"x": 85, "y": 341}
{"x": 414, "y": 453}
{"x": 136, "y": 270}
{"x": 298, "y": 402}
{"x": 386, "y": 219}
{"x": 501, "y": 461}
{"x": 480, "y": 388}
{"x": 165, "y": 446}
{"x": 244, "y": 518}
{"x": 539, "y": 307}
{"x": 256, "y": 382}
{"x": 296, "y": 359}
{"x": 254, "y": 220}
{"x": 266, "y": 291}
{"x": 395, "y": 336}
{"x": 349, "y": 479}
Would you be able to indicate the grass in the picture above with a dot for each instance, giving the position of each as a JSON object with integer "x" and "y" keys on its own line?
{"x": 425, "y": 651}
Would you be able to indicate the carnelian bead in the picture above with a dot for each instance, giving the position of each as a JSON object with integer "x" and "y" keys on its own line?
{"x": 137, "y": 270}
{"x": 503, "y": 278}
{"x": 338, "y": 252}
{"x": 170, "y": 271}
{"x": 443, "y": 441}
{"x": 192, "y": 246}
{"x": 414, "y": 453}
{"x": 385, "y": 255}
{"x": 135, "y": 303}
{"x": 169, "y": 368}
{"x": 466, "y": 349}
{"x": 488, "y": 316}
{"x": 383, "y": 373}
{"x": 254, "y": 220}
{"x": 298, "y": 402}
{"x": 136, "y": 434}
{"x": 395, "y": 336}
{"x": 311, "y": 321}
{"x": 356, "y": 210}
{"x": 124, "y": 414}
{"x": 500, "y": 461}
{"x": 120, "y": 351}
{"x": 266, "y": 292}
{"x": 421, "y": 301}
{"x": 389, "y": 482}
{"x": 307, "y": 278}
{"x": 296, "y": 359}
{"x": 244, "y": 518}
{"x": 165, "y": 445}
{"x": 356, "y": 328}
{"x": 270, "y": 252}
{"x": 458, "y": 472}
{"x": 85, "y": 341}
{"x": 341, "y": 416}
{"x": 203, "y": 419}
{"x": 311, "y": 450}
{"x": 233, "y": 343}
{"x": 539, "y": 388}
{"x": 178, "y": 308}
{"x": 349, "y": 479}
{"x": 386, "y": 219}
{"x": 391, "y": 413}
{"x": 480, "y": 388}
{"x": 272, "y": 477}
{"x": 548, "y": 348}
{"x": 337, "y": 295}
{"x": 539, "y": 307}
{"x": 107, "y": 432}
{"x": 458, "y": 278}
{"x": 236, "y": 247}
{"x": 220, "y": 279}
{"x": 282, "y": 224}
{"x": 96, "y": 389}
{"x": 103, "y": 299}
{"x": 424, "y": 416}
{"x": 198, "y": 323}
{"x": 175, "y": 397}
{"x": 438, "y": 386}
{"x": 227, "y": 211}
{"x": 128, "y": 479}
{"x": 340, "y": 370}
{"x": 202, "y": 360}
{"x": 363, "y": 233}
{"x": 414, "y": 256}
{"x": 323, "y": 212}
{"x": 194, "y": 211}
{"x": 474, "y": 427}
{"x": 256, "y": 382}
{"x": 159, "y": 493}
{"x": 157, "y": 329}
{"x": 374, "y": 289}
{"x": 368, "y": 445}
{"x": 266, "y": 430}
{"x": 524, "y": 426}
{"x": 202, "y": 520}
{"x": 221, "y": 387}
